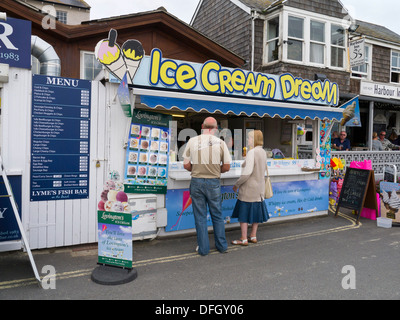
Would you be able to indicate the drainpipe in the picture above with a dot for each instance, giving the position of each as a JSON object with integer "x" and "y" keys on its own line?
{"x": 253, "y": 17}
{"x": 50, "y": 63}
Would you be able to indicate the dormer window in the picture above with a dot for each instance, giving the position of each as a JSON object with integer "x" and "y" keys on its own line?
{"x": 308, "y": 40}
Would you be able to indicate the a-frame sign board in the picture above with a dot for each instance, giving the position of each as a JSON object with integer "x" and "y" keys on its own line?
{"x": 358, "y": 191}
{"x": 19, "y": 222}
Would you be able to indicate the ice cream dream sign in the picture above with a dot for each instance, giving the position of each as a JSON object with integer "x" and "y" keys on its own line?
{"x": 158, "y": 72}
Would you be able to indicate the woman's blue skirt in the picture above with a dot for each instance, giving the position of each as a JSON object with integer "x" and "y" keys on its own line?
{"x": 250, "y": 212}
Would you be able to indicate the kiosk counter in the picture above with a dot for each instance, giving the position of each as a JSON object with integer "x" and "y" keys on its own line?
{"x": 294, "y": 114}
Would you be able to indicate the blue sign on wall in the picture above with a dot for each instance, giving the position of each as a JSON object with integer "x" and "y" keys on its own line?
{"x": 9, "y": 230}
{"x": 60, "y": 140}
{"x": 15, "y": 43}
{"x": 290, "y": 198}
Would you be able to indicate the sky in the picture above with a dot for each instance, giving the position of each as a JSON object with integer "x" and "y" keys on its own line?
{"x": 382, "y": 12}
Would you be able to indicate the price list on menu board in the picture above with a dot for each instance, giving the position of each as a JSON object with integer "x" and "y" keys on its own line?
{"x": 60, "y": 138}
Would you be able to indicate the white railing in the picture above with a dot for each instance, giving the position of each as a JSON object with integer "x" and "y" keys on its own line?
{"x": 379, "y": 158}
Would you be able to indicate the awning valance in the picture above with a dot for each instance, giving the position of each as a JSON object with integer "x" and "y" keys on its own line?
{"x": 227, "y": 105}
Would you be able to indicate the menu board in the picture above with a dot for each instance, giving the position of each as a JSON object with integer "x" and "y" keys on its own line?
{"x": 358, "y": 191}
{"x": 354, "y": 187}
{"x": 146, "y": 169}
{"x": 60, "y": 138}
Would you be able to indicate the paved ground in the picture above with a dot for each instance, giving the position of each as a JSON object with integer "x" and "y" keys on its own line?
{"x": 301, "y": 259}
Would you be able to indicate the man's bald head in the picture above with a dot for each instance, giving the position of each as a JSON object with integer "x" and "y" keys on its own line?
{"x": 209, "y": 123}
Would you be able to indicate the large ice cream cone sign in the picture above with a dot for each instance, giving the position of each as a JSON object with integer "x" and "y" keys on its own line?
{"x": 348, "y": 113}
{"x": 351, "y": 114}
{"x": 133, "y": 52}
{"x": 109, "y": 53}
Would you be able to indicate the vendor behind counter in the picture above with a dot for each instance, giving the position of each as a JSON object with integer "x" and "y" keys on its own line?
{"x": 277, "y": 132}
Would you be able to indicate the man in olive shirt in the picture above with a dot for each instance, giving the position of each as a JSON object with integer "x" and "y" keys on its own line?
{"x": 207, "y": 156}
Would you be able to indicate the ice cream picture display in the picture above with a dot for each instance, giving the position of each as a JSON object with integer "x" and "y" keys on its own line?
{"x": 147, "y": 153}
{"x": 118, "y": 61}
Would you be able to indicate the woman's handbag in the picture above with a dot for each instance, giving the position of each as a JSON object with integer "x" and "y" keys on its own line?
{"x": 268, "y": 187}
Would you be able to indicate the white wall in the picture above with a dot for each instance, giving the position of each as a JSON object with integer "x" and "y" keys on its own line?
{"x": 62, "y": 222}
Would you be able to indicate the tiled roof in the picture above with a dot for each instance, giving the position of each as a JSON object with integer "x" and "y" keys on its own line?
{"x": 377, "y": 31}
{"x": 260, "y": 5}
{"x": 73, "y": 3}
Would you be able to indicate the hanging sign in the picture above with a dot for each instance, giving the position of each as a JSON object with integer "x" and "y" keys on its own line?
{"x": 115, "y": 238}
{"x": 60, "y": 138}
{"x": 357, "y": 52}
{"x": 146, "y": 164}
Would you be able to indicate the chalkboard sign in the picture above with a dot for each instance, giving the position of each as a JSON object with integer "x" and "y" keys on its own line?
{"x": 358, "y": 191}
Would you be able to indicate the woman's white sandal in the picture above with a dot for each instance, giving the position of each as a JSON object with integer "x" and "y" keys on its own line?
{"x": 240, "y": 242}
{"x": 252, "y": 239}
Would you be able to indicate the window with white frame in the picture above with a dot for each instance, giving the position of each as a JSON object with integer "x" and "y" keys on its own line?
{"x": 338, "y": 42}
{"x": 363, "y": 71}
{"x": 90, "y": 67}
{"x": 62, "y": 16}
{"x": 317, "y": 42}
{"x": 273, "y": 39}
{"x": 395, "y": 68}
{"x": 313, "y": 40}
{"x": 295, "y": 39}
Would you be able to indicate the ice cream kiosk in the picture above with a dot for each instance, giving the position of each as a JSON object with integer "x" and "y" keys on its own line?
{"x": 165, "y": 102}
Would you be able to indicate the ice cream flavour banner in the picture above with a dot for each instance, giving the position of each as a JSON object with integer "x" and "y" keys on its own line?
{"x": 157, "y": 72}
{"x": 146, "y": 169}
{"x": 290, "y": 198}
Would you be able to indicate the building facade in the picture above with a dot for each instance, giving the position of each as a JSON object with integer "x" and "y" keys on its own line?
{"x": 74, "y": 44}
{"x": 310, "y": 39}
{"x": 71, "y": 12}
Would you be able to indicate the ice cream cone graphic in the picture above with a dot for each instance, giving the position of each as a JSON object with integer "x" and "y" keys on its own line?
{"x": 133, "y": 52}
{"x": 109, "y": 53}
{"x": 348, "y": 113}
{"x": 394, "y": 204}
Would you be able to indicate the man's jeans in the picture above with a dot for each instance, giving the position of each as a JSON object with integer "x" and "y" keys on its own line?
{"x": 208, "y": 192}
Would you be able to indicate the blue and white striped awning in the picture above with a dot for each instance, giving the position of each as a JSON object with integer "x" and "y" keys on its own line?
{"x": 227, "y": 105}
